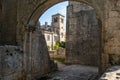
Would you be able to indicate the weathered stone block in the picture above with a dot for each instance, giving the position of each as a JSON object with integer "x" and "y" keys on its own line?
{"x": 83, "y": 36}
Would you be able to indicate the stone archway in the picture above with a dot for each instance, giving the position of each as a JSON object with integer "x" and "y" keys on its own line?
{"x": 44, "y": 5}
{"x": 38, "y": 11}
{"x": 103, "y": 9}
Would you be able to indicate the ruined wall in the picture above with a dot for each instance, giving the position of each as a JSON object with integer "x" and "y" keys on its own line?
{"x": 17, "y": 65}
{"x": 40, "y": 61}
{"x": 83, "y": 36}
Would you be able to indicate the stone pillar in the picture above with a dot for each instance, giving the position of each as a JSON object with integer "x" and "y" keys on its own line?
{"x": 28, "y": 49}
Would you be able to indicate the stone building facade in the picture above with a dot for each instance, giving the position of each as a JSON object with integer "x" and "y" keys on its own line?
{"x": 50, "y": 38}
{"x": 83, "y": 35}
{"x": 54, "y": 32}
{"x": 58, "y": 26}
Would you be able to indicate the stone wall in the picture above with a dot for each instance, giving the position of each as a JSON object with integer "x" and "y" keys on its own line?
{"x": 11, "y": 62}
{"x": 37, "y": 60}
{"x": 40, "y": 59}
{"x": 83, "y": 37}
{"x": 60, "y": 53}
{"x": 9, "y": 22}
{"x": 18, "y": 65}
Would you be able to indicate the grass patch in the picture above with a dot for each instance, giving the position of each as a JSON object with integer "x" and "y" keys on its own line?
{"x": 62, "y": 60}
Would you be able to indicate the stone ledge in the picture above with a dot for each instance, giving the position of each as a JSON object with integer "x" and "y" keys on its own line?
{"x": 112, "y": 73}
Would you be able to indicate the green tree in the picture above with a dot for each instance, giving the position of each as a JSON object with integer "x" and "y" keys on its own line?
{"x": 59, "y": 44}
{"x": 62, "y": 44}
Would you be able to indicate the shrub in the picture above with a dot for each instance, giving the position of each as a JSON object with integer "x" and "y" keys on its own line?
{"x": 59, "y": 44}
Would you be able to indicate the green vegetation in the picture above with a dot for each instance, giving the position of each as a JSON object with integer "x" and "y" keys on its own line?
{"x": 56, "y": 47}
{"x": 59, "y": 44}
{"x": 62, "y": 44}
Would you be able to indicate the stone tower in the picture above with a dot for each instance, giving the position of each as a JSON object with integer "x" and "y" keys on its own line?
{"x": 58, "y": 26}
{"x": 83, "y": 38}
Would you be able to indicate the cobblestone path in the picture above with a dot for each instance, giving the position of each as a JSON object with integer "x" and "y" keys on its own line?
{"x": 74, "y": 72}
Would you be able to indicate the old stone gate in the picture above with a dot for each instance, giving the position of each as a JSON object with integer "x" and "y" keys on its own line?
{"x": 18, "y": 20}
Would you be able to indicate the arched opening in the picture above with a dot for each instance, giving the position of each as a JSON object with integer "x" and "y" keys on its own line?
{"x": 41, "y": 8}
{"x": 33, "y": 19}
{"x": 53, "y": 27}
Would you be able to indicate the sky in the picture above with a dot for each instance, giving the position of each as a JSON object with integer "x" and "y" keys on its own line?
{"x": 58, "y": 8}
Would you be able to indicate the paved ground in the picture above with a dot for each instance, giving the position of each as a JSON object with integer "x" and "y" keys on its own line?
{"x": 74, "y": 72}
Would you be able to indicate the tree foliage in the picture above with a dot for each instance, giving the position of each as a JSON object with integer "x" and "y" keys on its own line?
{"x": 62, "y": 44}
{"x": 59, "y": 44}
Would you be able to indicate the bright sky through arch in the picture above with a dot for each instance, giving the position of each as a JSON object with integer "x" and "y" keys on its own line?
{"x": 58, "y": 8}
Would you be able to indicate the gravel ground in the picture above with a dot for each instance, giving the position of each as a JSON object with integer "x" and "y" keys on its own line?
{"x": 74, "y": 72}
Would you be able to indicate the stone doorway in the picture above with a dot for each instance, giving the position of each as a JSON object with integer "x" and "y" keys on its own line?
{"x": 75, "y": 61}
{"x": 93, "y": 22}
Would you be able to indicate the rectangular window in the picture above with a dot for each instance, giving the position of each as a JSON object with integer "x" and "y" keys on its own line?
{"x": 61, "y": 20}
{"x": 48, "y": 37}
{"x": 62, "y": 35}
{"x": 55, "y": 38}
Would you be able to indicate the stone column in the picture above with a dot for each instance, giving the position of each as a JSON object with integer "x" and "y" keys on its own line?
{"x": 28, "y": 49}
